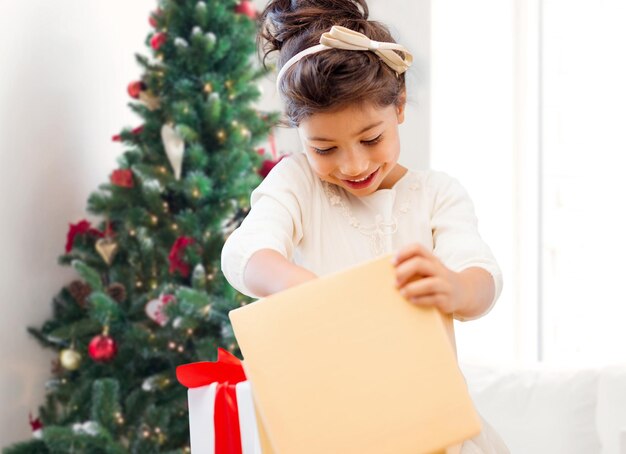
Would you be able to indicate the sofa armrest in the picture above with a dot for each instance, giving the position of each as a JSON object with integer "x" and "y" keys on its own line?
{"x": 538, "y": 408}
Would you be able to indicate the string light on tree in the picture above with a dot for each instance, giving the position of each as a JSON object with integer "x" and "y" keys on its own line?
{"x": 245, "y": 132}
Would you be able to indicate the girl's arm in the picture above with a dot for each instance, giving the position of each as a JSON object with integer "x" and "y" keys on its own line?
{"x": 459, "y": 246}
{"x": 268, "y": 272}
{"x": 478, "y": 292}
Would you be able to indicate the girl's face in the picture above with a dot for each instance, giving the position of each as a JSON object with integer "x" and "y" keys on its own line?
{"x": 356, "y": 148}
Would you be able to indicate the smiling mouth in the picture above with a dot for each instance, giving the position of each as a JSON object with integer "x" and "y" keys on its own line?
{"x": 363, "y": 182}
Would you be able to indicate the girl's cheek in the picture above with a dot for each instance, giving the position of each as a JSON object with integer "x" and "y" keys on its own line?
{"x": 321, "y": 168}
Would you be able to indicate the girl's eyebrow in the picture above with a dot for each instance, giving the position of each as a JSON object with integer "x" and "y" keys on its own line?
{"x": 321, "y": 139}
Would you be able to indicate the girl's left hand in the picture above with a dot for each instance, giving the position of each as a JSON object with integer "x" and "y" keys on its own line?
{"x": 424, "y": 280}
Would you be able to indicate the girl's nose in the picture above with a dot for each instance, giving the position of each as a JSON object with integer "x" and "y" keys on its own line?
{"x": 353, "y": 166}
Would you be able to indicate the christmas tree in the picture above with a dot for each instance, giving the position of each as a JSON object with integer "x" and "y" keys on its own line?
{"x": 149, "y": 294}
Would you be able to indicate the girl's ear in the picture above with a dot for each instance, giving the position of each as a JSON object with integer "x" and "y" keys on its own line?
{"x": 400, "y": 108}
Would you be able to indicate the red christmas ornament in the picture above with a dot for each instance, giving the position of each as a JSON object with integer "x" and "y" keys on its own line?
{"x": 268, "y": 165}
{"x": 136, "y": 87}
{"x": 102, "y": 348}
{"x": 108, "y": 231}
{"x": 122, "y": 178}
{"x": 136, "y": 131}
{"x": 246, "y": 8}
{"x": 153, "y": 17}
{"x": 35, "y": 425}
{"x": 158, "y": 40}
{"x": 78, "y": 229}
{"x": 176, "y": 256}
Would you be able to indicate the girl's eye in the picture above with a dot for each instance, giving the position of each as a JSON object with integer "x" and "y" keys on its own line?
{"x": 322, "y": 152}
{"x": 367, "y": 142}
{"x": 373, "y": 141}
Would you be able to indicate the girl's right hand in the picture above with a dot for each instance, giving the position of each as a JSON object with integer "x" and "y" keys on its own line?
{"x": 268, "y": 272}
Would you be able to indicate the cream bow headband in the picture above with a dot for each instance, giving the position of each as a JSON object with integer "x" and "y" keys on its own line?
{"x": 344, "y": 38}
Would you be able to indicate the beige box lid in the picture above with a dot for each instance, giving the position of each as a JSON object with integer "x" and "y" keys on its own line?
{"x": 344, "y": 364}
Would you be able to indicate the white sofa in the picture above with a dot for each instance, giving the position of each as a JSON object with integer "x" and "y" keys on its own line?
{"x": 543, "y": 409}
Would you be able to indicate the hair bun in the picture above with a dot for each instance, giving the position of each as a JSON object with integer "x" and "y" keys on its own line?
{"x": 281, "y": 20}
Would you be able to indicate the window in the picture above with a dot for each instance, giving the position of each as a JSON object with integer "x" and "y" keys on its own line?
{"x": 528, "y": 111}
{"x": 583, "y": 149}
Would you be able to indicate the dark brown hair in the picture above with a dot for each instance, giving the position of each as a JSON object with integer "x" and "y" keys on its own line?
{"x": 332, "y": 79}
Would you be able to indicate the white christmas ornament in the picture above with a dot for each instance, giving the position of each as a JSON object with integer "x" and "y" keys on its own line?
{"x": 148, "y": 384}
{"x": 180, "y": 42}
{"x": 210, "y": 36}
{"x": 174, "y": 148}
{"x": 88, "y": 428}
{"x": 155, "y": 309}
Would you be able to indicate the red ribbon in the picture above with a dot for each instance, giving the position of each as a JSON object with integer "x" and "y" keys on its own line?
{"x": 227, "y": 368}
{"x": 226, "y": 420}
{"x": 227, "y": 371}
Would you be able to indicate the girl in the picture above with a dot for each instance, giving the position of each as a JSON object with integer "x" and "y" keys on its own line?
{"x": 346, "y": 199}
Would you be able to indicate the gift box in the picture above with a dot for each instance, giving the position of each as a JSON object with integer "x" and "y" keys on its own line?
{"x": 344, "y": 364}
{"x": 222, "y": 415}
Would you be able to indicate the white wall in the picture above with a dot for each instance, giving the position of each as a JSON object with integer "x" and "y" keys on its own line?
{"x": 64, "y": 68}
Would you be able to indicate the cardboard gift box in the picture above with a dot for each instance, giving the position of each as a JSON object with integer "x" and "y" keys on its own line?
{"x": 344, "y": 364}
{"x": 222, "y": 417}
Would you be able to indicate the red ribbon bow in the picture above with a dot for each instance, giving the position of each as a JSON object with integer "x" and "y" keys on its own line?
{"x": 227, "y": 371}
{"x": 227, "y": 368}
